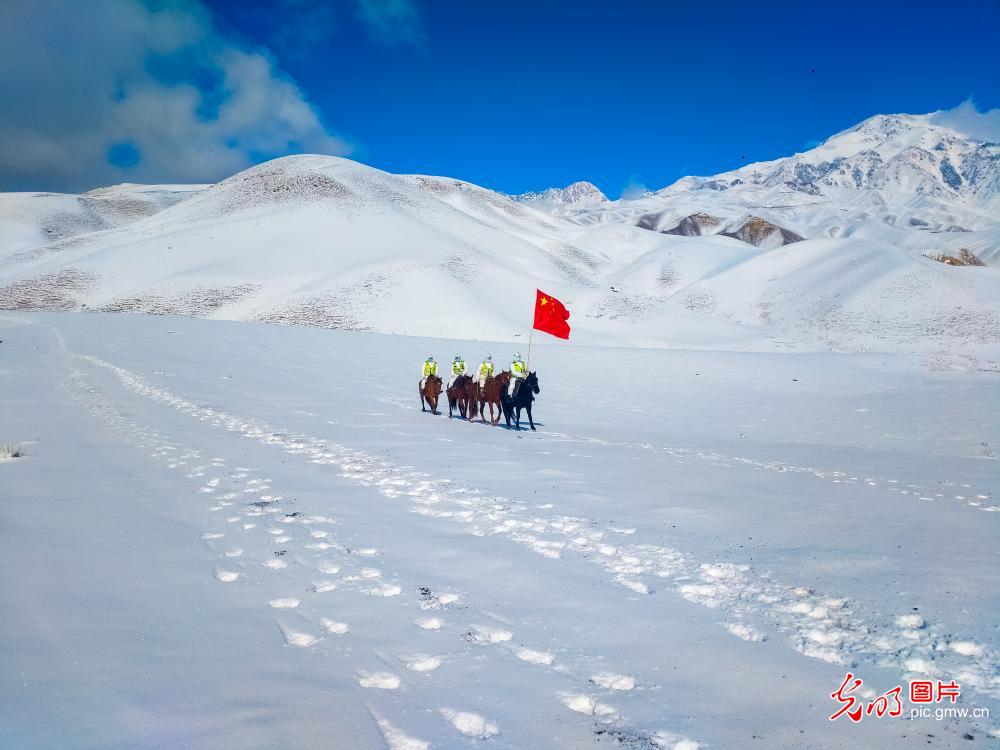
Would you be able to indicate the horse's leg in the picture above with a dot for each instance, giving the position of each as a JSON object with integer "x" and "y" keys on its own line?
{"x": 530, "y": 420}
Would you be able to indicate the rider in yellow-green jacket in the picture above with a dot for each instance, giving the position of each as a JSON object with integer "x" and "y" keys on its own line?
{"x": 457, "y": 369}
{"x": 484, "y": 371}
{"x": 430, "y": 368}
{"x": 518, "y": 372}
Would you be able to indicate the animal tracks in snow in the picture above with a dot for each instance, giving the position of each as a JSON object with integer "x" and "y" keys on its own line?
{"x": 818, "y": 625}
{"x": 253, "y": 498}
{"x": 956, "y": 491}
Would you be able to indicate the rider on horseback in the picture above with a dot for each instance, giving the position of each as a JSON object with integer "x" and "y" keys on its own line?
{"x": 518, "y": 372}
{"x": 457, "y": 369}
{"x": 430, "y": 369}
{"x": 484, "y": 371}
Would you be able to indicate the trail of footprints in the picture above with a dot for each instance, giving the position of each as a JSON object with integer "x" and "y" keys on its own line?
{"x": 249, "y": 505}
{"x": 818, "y": 625}
{"x": 963, "y": 492}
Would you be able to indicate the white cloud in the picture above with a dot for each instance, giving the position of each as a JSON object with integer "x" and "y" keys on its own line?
{"x": 966, "y": 118}
{"x": 634, "y": 188}
{"x": 80, "y": 78}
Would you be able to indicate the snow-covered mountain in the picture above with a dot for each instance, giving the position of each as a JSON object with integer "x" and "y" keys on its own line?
{"x": 557, "y": 200}
{"x": 834, "y": 249}
{"x": 895, "y": 178}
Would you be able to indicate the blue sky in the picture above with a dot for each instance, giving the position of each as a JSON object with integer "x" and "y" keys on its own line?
{"x": 522, "y": 95}
{"x": 511, "y": 95}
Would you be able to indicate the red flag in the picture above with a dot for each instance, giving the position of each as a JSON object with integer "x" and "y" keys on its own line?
{"x": 551, "y": 315}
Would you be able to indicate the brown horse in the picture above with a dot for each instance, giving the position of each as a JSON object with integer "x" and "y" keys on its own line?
{"x": 458, "y": 397}
{"x": 491, "y": 395}
{"x": 430, "y": 393}
{"x": 471, "y": 398}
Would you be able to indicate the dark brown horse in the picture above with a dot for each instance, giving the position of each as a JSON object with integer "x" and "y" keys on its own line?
{"x": 490, "y": 394}
{"x": 458, "y": 397}
{"x": 430, "y": 393}
{"x": 472, "y": 396}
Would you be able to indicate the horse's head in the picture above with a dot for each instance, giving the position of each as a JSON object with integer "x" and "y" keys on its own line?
{"x": 532, "y": 382}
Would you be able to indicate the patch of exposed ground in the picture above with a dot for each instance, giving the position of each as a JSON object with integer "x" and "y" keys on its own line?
{"x": 197, "y": 302}
{"x": 61, "y": 290}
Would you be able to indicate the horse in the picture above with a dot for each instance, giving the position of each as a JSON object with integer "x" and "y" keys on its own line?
{"x": 490, "y": 394}
{"x": 458, "y": 396}
{"x": 526, "y": 393}
{"x": 472, "y": 395}
{"x": 430, "y": 393}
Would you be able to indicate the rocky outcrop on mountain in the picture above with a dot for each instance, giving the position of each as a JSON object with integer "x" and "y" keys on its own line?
{"x": 964, "y": 258}
{"x": 694, "y": 225}
{"x": 760, "y": 232}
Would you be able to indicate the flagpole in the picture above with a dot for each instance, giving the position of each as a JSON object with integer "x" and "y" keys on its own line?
{"x": 530, "y": 335}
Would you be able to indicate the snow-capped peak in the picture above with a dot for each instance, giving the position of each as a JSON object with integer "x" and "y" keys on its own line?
{"x": 927, "y": 173}
{"x": 578, "y": 193}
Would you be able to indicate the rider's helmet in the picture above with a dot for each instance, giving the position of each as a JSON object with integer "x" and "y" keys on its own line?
{"x": 458, "y": 358}
{"x": 517, "y": 357}
{"x": 489, "y": 357}
{"x": 429, "y": 358}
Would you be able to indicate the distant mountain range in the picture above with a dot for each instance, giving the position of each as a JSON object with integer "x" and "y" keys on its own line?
{"x": 901, "y": 171}
{"x": 854, "y": 245}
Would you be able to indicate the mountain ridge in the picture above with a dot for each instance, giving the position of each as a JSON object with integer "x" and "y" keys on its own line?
{"x": 329, "y": 242}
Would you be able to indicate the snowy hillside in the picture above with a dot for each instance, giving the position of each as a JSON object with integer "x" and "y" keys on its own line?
{"x": 32, "y": 219}
{"x": 834, "y": 248}
{"x": 315, "y": 240}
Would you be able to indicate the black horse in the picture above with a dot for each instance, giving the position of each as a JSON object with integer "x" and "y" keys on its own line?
{"x": 523, "y": 397}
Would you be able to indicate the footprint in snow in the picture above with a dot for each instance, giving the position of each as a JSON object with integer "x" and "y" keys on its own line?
{"x": 397, "y": 739}
{"x": 534, "y": 657}
{"x": 421, "y": 662}
{"x": 613, "y": 681}
{"x": 296, "y": 637}
{"x": 585, "y": 704}
{"x": 385, "y": 589}
{"x": 470, "y": 724}
{"x": 378, "y": 680}
{"x": 333, "y": 627}
{"x": 482, "y": 635}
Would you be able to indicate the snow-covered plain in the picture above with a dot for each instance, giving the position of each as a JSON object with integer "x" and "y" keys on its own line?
{"x": 231, "y": 534}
